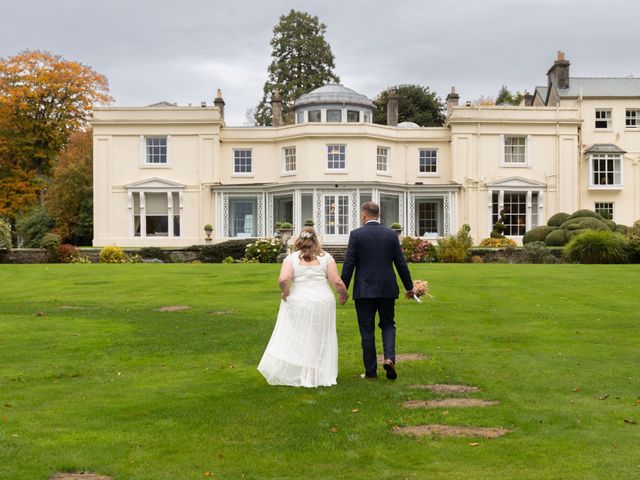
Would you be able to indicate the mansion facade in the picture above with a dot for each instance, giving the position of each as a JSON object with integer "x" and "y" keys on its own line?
{"x": 163, "y": 172}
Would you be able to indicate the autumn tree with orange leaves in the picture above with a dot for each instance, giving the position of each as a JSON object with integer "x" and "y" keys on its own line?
{"x": 44, "y": 99}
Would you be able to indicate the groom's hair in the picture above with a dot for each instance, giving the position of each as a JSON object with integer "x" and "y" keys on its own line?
{"x": 371, "y": 209}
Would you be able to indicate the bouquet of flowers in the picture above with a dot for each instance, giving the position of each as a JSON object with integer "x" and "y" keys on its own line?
{"x": 420, "y": 289}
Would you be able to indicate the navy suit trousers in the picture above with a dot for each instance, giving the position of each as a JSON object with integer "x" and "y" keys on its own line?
{"x": 366, "y": 309}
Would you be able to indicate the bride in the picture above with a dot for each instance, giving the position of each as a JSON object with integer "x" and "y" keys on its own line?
{"x": 303, "y": 349}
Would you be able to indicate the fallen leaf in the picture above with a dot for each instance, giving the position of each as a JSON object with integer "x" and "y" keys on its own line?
{"x": 630, "y": 421}
{"x": 395, "y": 427}
{"x": 577, "y": 389}
{"x": 40, "y": 314}
{"x": 474, "y": 444}
{"x": 208, "y": 474}
{"x": 355, "y": 410}
{"x": 333, "y": 430}
{"x": 604, "y": 396}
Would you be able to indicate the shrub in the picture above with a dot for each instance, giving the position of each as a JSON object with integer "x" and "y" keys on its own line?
{"x": 477, "y": 259}
{"x": 497, "y": 242}
{"x": 67, "y": 253}
{"x": 264, "y": 250}
{"x": 219, "y": 251}
{"x": 499, "y": 227}
{"x": 51, "y": 243}
{"x": 556, "y": 238}
{"x": 537, "y": 234}
{"x": 5, "y": 235}
{"x": 558, "y": 219}
{"x": 286, "y": 225}
{"x": 112, "y": 254}
{"x": 418, "y": 250}
{"x": 537, "y": 252}
{"x": 396, "y": 226}
{"x": 135, "y": 258}
{"x": 455, "y": 249}
{"x": 34, "y": 226}
{"x": 586, "y": 213}
{"x": 80, "y": 259}
{"x": 148, "y": 253}
{"x": 590, "y": 223}
{"x": 309, "y": 222}
{"x": 598, "y": 247}
{"x": 633, "y": 234}
{"x": 623, "y": 229}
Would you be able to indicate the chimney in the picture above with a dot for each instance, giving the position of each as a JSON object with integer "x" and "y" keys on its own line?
{"x": 219, "y": 102}
{"x": 558, "y": 74}
{"x": 392, "y": 108}
{"x": 452, "y": 100}
{"x": 276, "y": 109}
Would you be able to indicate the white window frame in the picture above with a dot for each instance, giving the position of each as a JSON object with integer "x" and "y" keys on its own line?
{"x": 608, "y": 206}
{"x": 530, "y": 214}
{"x": 285, "y": 156}
{"x": 435, "y": 173}
{"x": 387, "y": 160}
{"x": 503, "y": 151}
{"x": 602, "y": 114}
{"x": 143, "y": 152}
{"x": 632, "y": 116}
{"x": 341, "y": 146}
{"x": 233, "y": 163}
{"x": 616, "y": 157}
{"x": 143, "y": 214}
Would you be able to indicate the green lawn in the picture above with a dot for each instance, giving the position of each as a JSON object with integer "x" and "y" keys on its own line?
{"x": 104, "y": 382}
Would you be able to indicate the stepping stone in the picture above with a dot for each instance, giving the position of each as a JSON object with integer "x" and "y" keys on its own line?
{"x": 449, "y": 402}
{"x": 405, "y": 357}
{"x": 174, "y": 308}
{"x": 445, "y": 389}
{"x": 451, "y": 431}
{"x": 79, "y": 476}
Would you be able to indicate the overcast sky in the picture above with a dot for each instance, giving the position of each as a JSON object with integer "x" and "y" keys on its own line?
{"x": 182, "y": 51}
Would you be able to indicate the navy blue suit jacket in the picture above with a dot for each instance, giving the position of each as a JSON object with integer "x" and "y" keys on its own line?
{"x": 372, "y": 252}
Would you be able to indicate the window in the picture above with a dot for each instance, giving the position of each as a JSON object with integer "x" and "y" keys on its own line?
{"x": 353, "y": 116}
{"x": 160, "y": 208}
{"x": 336, "y": 157}
{"x": 515, "y": 205}
{"x": 334, "y": 115}
{"x": 242, "y": 161}
{"x": 515, "y": 150}
{"x": 300, "y": 117}
{"x": 603, "y": 118}
{"x": 156, "y": 150}
{"x": 382, "y": 159}
{"x": 289, "y": 159}
{"x": 605, "y": 209}
{"x": 428, "y": 160}
{"x": 243, "y": 217}
{"x": 367, "y": 118}
{"x": 315, "y": 115}
{"x": 428, "y": 217}
{"x": 389, "y": 209}
{"x": 606, "y": 169}
{"x": 632, "y": 118}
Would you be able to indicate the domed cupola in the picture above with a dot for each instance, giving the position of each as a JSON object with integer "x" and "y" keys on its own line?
{"x": 333, "y": 103}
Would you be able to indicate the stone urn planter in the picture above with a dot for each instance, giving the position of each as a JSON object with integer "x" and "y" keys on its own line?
{"x": 208, "y": 229}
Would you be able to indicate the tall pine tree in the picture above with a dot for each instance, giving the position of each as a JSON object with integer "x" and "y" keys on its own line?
{"x": 302, "y": 61}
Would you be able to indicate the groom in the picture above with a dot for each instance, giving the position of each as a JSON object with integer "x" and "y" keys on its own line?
{"x": 372, "y": 252}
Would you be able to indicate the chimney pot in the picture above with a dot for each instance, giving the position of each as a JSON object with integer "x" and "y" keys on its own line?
{"x": 392, "y": 108}
{"x": 219, "y": 102}
{"x": 276, "y": 109}
{"x": 452, "y": 100}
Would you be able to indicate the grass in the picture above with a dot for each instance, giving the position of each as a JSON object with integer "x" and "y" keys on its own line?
{"x": 104, "y": 382}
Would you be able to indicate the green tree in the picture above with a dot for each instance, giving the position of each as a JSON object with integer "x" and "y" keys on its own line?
{"x": 505, "y": 96}
{"x": 415, "y": 104}
{"x": 34, "y": 226}
{"x": 70, "y": 195}
{"x": 302, "y": 61}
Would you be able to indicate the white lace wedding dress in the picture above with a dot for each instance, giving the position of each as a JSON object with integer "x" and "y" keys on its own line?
{"x": 303, "y": 349}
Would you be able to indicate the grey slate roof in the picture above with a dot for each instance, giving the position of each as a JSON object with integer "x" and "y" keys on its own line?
{"x": 333, "y": 94}
{"x": 601, "y": 87}
{"x": 604, "y": 148}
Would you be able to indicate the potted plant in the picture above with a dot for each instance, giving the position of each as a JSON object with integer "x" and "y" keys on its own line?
{"x": 309, "y": 222}
{"x": 397, "y": 227}
{"x": 208, "y": 229}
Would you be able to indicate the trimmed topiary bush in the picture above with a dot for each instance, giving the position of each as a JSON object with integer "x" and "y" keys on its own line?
{"x": 51, "y": 243}
{"x": 556, "y": 238}
{"x": 577, "y": 231}
{"x": 537, "y": 234}
{"x": 558, "y": 219}
{"x": 598, "y": 247}
{"x": 586, "y": 222}
{"x": 623, "y": 229}
{"x": 586, "y": 213}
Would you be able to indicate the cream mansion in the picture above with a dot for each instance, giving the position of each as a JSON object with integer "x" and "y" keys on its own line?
{"x": 162, "y": 172}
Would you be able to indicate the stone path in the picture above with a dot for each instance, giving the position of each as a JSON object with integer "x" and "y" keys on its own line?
{"x": 448, "y": 403}
{"x": 79, "y": 476}
{"x": 452, "y": 431}
{"x": 442, "y": 389}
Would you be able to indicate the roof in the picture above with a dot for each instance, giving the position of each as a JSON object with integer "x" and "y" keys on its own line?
{"x": 163, "y": 104}
{"x": 604, "y": 148}
{"x": 333, "y": 94}
{"x": 408, "y": 125}
{"x": 601, "y": 87}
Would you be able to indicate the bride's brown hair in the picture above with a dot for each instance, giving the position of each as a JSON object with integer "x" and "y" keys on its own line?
{"x": 308, "y": 244}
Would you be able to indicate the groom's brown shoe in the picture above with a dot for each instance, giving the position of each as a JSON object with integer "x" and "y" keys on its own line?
{"x": 390, "y": 368}
{"x": 366, "y": 376}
